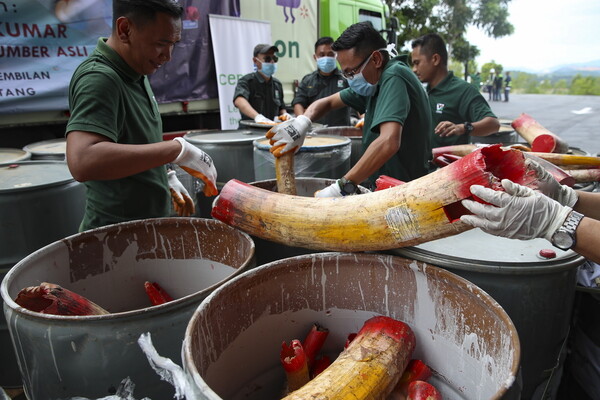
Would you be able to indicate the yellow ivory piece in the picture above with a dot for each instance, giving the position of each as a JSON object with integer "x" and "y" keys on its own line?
{"x": 421, "y": 210}
{"x": 284, "y": 173}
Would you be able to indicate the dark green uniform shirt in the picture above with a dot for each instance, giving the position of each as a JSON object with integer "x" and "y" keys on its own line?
{"x": 315, "y": 86}
{"x": 109, "y": 98}
{"x": 457, "y": 101}
{"x": 401, "y": 98}
{"x": 265, "y": 97}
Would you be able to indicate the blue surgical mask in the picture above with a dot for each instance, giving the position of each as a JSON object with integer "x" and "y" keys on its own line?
{"x": 360, "y": 85}
{"x": 268, "y": 69}
{"x": 326, "y": 64}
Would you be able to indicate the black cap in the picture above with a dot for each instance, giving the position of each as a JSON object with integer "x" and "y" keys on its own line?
{"x": 264, "y": 48}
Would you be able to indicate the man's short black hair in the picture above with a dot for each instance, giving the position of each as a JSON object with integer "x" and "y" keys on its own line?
{"x": 143, "y": 11}
{"x": 431, "y": 44}
{"x": 362, "y": 37}
{"x": 323, "y": 40}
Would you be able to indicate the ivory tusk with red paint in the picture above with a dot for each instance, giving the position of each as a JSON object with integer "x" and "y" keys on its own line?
{"x": 418, "y": 211}
{"x": 540, "y": 138}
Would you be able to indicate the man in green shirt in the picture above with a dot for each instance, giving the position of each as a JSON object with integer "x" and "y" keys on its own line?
{"x": 323, "y": 82}
{"x": 259, "y": 95}
{"x": 114, "y": 134}
{"x": 397, "y": 118}
{"x": 458, "y": 109}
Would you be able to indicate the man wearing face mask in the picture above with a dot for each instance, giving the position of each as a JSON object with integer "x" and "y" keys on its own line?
{"x": 396, "y": 133}
{"x": 259, "y": 95}
{"x": 325, "y": 81}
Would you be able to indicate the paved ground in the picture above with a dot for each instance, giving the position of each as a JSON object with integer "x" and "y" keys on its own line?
{"x": 556, "y": 113}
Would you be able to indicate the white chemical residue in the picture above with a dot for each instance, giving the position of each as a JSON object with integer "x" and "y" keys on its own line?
{"x": 51, "y": 346}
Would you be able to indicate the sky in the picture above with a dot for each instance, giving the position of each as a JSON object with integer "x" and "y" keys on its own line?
{"x": 547, "y": 33}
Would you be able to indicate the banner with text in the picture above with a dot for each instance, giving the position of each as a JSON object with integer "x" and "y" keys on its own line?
{"x": 41, "y": 44}
{"x": 233, "y": 44}
{"x": 43, "y": 41}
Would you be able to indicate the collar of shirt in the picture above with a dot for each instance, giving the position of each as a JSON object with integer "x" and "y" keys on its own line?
{"x": 115, "y": 59}
{"x": 442, "y": 83}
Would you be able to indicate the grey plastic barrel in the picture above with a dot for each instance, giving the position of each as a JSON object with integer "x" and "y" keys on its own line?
{"x": 234, "y": 338}
{"x": 40, "y": 202}
{"x": 321, "y": 156}
{"x": 62, "y": 357}
{"x": 54, "y": 149}
{"x": 505, "y": 135}
{"x": 537, "y": 293}
{"x": 231, "y": 151}
{"x": 268, "y": 251}
{"x": 354, "y": 134}
{"x": 10, "y": 155}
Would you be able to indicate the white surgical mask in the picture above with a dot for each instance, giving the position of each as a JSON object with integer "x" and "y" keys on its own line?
{"x": 326, "y": 64}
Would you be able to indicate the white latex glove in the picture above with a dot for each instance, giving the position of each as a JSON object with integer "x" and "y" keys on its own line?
{"x": 518, "y": 213}
{"x": 332, "y": 190}
{"x": 199, "y": 164}
{"x": 288, "y": 136}
{"x": 261, "y": 119}
{"x": 283, "y": 117}
{"x": 550, "y": 186}
{"x": 182, "y": 202}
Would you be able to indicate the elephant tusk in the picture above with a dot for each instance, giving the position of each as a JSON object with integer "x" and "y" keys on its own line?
{"x": 418, "y": 211}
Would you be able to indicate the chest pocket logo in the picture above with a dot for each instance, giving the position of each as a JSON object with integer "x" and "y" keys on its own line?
{"x": 439, "y": 108}
{"x": 340, "y": 83}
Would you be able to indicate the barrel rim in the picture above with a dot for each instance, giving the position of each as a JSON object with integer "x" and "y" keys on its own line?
{"x": 343, "y": 141}
{"x": 194, "y": 137}
{"x": 24, "y": 154}
{"x": 31, "y": 147}
{"x": 67, "y": 180}
{"x": 151, "y": 310}
{"x": 187, "y": 355}
{"x": 496, "y": 267}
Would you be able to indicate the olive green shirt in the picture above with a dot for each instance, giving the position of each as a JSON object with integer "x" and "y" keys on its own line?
{"x": 266, "y": 97}
{"x": 457, "y": 101}
{"x": 109, "y": 98}
{"x": 401, "y": 98}
{"x": 315, "y": 86}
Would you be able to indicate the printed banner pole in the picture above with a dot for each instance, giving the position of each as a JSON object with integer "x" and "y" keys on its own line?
{"x": 233, "y": 41}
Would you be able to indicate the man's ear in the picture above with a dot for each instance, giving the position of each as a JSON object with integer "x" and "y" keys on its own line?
{"x": 123, "y": 28}
{"x": 436, "y": 59}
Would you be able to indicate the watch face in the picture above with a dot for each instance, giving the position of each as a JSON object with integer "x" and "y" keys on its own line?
{"x": 349, "y": 187}
{"x": 563, "y": 240}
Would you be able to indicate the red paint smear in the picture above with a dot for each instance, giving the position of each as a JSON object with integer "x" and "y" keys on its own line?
{"x": 495, "y": 164}
{"x": 544, "y": 144}
{"x": 223, "y": 209}
{"x": 397, "y": 330}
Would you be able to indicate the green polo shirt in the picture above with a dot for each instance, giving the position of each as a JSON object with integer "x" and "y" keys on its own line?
{"x": 315, "y": 86}
{"x": 266, "y": 97}
{"x": 457, "y": 101}
{"x": 109, "y": 98}
{"x": 401, "y": 98}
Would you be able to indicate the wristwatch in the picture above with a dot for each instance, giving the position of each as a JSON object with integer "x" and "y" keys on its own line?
{"x": 564, "y": 237}
{"x": 468, "y": 128}
{"x": 347, "y": 186}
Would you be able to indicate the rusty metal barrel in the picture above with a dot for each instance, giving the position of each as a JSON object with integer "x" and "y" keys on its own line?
{"x": 233, "y": 341}
{"x": 62, "y": 357}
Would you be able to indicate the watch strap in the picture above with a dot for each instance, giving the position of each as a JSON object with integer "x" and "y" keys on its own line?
{"x": 570, "y": 225}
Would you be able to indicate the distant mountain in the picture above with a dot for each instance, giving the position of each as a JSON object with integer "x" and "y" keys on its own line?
{"x": 584, "y": 68}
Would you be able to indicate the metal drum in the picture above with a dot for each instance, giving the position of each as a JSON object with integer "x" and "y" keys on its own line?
{"x": 233, "y": 340}
{"x": 505, "y": 135}
{"x": 40, "y": 202}
{"x": 537, "y": 293}
{"x": 231, "y": 151}
{"x": 268, "y": 251}
{"x": 63, "y": 357}
{"x": 55, "y": 149}
{"x": 10, "y": 155}
{"x": 355, "y": 135}
{"x": 321, "y": 156}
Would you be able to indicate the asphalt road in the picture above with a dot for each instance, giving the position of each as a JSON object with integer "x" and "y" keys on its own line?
{"x": 576, "y": 119}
